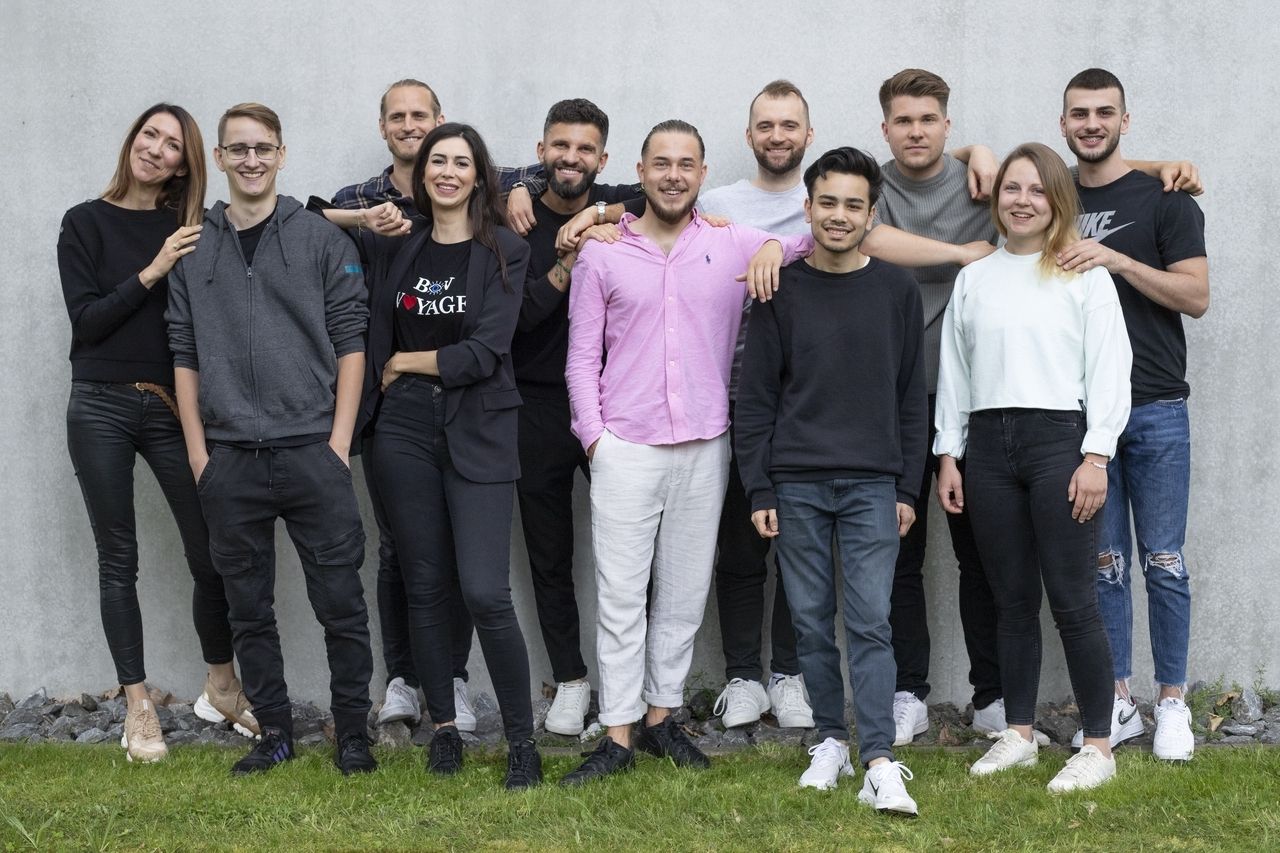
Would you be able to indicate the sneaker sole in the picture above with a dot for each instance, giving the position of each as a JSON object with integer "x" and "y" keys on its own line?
{"x": 204, "y": 710}
{"x": 920, "y": 729}
{"x": 1026, "y": 762}
{"x": 734, "y": 722}
{"x": 141, "y": 759}
{"x": 796, "y": 722}
{"x": 566, "y": 730}
{"x": 464, "y": 725}
{"x": 1178, "y": 756}
{"x": 396, "y": 717}
{"x": 903, "y": 808}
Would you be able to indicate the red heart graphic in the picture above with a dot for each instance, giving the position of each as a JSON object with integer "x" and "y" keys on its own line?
{"x": 409, "y": 302}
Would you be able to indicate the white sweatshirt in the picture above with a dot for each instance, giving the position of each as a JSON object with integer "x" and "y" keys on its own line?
{"x": 1012, "y": 338}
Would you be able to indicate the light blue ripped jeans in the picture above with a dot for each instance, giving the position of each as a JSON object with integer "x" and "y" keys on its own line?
{"x": 1150, "y": 476}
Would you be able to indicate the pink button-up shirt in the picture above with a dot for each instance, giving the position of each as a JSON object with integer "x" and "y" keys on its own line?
{"x": 651, "y": 335}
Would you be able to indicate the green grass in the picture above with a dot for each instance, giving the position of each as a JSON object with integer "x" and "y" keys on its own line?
{"x": 75, "y": 797}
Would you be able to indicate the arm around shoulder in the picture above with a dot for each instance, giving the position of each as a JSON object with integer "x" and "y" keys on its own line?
{"x": 479, "y": 354}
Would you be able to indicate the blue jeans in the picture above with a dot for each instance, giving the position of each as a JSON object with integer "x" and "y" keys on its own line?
{"x": 862, "y": 518}
{"x": 1150, "y": 477}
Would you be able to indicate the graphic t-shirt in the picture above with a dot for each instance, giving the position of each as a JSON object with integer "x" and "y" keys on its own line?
{"x": 1134, "y": 216}
{"x": 432, "y": 301}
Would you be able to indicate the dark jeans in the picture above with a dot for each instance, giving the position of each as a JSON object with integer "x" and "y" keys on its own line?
{"x": 108, "y": 426}
{"x": 243, "y": 493}
{"x": 450, "y": 532}
{"x": 742, "y": 569}
{"x": 393, "y": 607}
{"x": 550, "y": 455}
{"x": 1020, "y": 465}
{"x": 909, "y": 616}
{"x": 860, "y": 516}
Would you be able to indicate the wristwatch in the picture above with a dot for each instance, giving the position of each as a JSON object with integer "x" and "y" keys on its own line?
{"x": 600, "y": 206}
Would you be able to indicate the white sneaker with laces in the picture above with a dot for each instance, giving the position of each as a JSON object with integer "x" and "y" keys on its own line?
{"x": 1009, "y": 750}
{"x": 882, "y": 787}
{"x": 1126, "y": 723}
{"x": 830, "y": 762}
{"x": 990, "y": 720}
{"x": 1086, "y": 769}
{"x": 741, "y": 702}
{"x": 401, "y": 703}
{"x": 910, "y": 717}
{"x": 569, "y": 708}
{"x": 790, "y": 702}
{"x": 464, "y": 716}
{"x": 1174, "y": 740}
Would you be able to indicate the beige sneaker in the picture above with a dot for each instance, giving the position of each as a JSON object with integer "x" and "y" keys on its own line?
{"x": 230, "y": 705}
{"x": 142, "y": 738}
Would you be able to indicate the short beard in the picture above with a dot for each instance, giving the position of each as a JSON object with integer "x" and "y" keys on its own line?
{"x": 568, "y": 192}
{"x": 796, "y": 158}
{"x": 1090, "y": 156}
{"x": 667, "y": 216}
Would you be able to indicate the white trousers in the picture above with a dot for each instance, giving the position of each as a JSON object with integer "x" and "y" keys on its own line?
{"x": 655, "y": 511}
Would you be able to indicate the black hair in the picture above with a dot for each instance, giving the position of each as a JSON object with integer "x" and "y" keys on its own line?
{"x": 846, "y": 161}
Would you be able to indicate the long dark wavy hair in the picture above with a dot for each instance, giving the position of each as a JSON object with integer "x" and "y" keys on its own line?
{"x": 184, "y": 194}
{"x": 483, "y": 209}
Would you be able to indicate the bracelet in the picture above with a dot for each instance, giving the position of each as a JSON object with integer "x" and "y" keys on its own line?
{"x": 1096, "y": 464}
{"x": 563, "y": 269}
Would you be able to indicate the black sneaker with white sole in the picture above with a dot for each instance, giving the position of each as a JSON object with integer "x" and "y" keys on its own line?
{"x": 275, "y": 747}
{"x": 668, "y": 740}
{"x": 444, "y": 755}
{"x": 606, "y": 759}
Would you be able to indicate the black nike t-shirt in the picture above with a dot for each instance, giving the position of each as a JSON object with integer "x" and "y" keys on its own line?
{"x": 432, "y": 301}
{"x": 1133, "y": 215}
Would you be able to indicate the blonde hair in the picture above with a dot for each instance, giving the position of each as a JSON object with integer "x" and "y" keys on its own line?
{"x": 1059, "y": 190}
{"x": 181, "y": 193}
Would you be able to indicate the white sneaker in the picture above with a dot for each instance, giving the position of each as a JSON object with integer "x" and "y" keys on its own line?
{"x": 1086, "y": 769}
{"x": 790, "y": 702}
{"x": 990, "y": 721}
{"x": 464, "y": 716}
{"x": 1010, "y": 750}
{"x": 830, "y": 762}
{"x": 401, "y": 703}
{"x": 1126, "y": 723}
{"x": 910, "y": 717}
{"x": 883, "y": 789}
{"x": 741, "y": 702}
{"x": 569, "y": 708}
{"x": 1174, "y": 740}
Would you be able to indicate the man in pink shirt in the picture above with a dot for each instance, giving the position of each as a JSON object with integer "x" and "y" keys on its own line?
{"x": 653, "y": 320}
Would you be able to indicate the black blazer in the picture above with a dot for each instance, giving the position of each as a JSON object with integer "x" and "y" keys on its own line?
{"x": 479, "y": 381}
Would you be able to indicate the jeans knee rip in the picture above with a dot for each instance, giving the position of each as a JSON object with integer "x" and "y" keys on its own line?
{"x": 1170, "y": 563}
{"x": 1111, "y": 567}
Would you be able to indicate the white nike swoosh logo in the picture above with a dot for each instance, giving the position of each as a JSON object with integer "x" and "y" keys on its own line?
{"x": 1107, "y": 232}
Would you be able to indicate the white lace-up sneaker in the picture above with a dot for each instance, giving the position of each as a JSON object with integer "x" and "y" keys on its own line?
{"x": 569, "y": 708}
{"x": 990, "y": 720}
{"x": 830, "y": 762}
{"x": 1086, "y": 769}
{"x": 741, "y": 702}
{"x": 464, "y": 716}
{"x": 1174, "y": 740}
{"x": 1126, "y": 723}
{"x": 790, "y": 702}
{"x": 401, "y": 703}
{"x": 882, "y": 787}
{"x": 910, "y": 717}
{"x": 1010, "y": 750}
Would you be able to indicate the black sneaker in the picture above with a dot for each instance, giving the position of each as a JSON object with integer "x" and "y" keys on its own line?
{"x": 444, "y": 755}
{"x": 352, "y": 754}
{"x": 666, "y": 739}
{"x": 275, "y": 748}
{"x": 608, "y": 757}
{"x": 524, "y": 766}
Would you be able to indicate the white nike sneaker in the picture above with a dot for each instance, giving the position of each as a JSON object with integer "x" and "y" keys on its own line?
{"x": 790, "y": 702}
{"x": 882, "y": 787}
{"x": 741, "y": 702}
{"x": 1174, "y": 740}
{"x": 910, "y": 717}
{"x": 1010, "y": 750}
{"x": 1086, "y": 769}
{"x": 1126, "y": 723}
{"x": 401, "y": 703}
{"x": 569, "y": 708}
{"x": 830, "y": 762}
{"x": 464, "y": 716}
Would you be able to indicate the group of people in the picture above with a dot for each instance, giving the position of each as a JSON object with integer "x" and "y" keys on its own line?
{"x": 735, "y": 370}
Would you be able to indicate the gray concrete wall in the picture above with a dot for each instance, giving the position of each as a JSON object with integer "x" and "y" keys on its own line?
{"x": 1201, "y": 85}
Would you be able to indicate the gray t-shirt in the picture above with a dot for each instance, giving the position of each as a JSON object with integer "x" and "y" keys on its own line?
{"x": 938, "y": 208}
{"x": 778, "y": 213}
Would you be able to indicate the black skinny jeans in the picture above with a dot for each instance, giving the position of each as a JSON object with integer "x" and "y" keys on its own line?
{"x": 1020, "y": 463}
{"x": 449, "y": 531}
{"x": 108, "y": 425}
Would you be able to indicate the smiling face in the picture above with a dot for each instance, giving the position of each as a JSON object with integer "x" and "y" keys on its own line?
{"x": 408, "y": 116}
{"x": 449, "y": 175}
{"x": 1023, "y": 208}
{"x": 572, "y": 155}
{"x": 838, "y": 211}
{"x": 252, "y": 178}
{"x": 671, "y": 173}
{"x": 157, "y": 152}
{"x": 916, "y": 130}
{"x": 779, "y": 133}
{"x": 1093, "y": 120}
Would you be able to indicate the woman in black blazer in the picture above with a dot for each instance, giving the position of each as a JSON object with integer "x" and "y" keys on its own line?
{"x": 443, "y": 309}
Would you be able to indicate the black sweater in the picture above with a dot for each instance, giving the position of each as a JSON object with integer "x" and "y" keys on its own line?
{"x": 118, "y": 330}
{"x": 833, "y": 382}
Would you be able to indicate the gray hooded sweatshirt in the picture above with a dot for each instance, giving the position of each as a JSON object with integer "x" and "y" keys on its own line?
{"x": 266, "y": 333}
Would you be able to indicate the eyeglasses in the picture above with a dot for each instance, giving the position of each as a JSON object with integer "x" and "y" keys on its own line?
{"x": 238, "y": 151}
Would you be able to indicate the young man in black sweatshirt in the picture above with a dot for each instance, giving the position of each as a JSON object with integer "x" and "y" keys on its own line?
{"x": 831, "y": 422}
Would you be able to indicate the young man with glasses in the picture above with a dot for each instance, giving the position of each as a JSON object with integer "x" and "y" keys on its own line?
{"x": 266, "y": 322}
